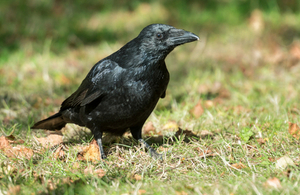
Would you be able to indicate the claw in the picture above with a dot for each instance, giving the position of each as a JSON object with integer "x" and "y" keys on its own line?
{"x": 152, "y": 152}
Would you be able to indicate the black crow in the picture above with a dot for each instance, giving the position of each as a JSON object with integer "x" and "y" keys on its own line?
{"x": 120, "y": 91}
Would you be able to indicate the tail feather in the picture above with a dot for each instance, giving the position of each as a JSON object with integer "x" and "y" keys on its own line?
{"x": 54, "y": 122}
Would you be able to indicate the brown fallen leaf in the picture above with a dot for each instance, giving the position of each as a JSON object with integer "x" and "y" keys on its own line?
{"x": 198, "y": 110}
{"x": 18, "y": 152}
{"x": 181, "y": 193}
{"x": 4, "y": 143}
{"x": 92, "y": 171}
{"x": 89, "y": 170}
{"x": 261, "y": 141}
{"x": 209, "y": 103}
{"x": 148, "y": 128}
{"x": 276, "y": 54}
{"x": 14, "y": 190}
{"x": 294, "y": 130}
{"x": 91, "y": 152}
{"x": 295, "y": 50}
{"x": 64, "y": 80}
{"x": 271, "y": 159}
{"x": 239, "y": 165}
{"x": 67, "y": 180}
{"x": 19, "y": 141}
{"x": 162, "y": 149}
{"x": 76, "y": 165}
{"x": 99, "y": 172}
{"x": 51, "y": 185}
{"x": 206, "y": 153}
{"x": 59, "y": 153}
{"x": 141, "y": 191}
{"x": 171, "y": 126}
{"x": 249, "y": 147}
{"x": 273, "y": 183}
{"x": 50, "y": 141}
{"x": 137, "y": 177}
{"x": 240, "y": 109}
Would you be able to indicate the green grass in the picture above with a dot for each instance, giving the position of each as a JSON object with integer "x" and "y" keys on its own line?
{"x": 246, "y": 82}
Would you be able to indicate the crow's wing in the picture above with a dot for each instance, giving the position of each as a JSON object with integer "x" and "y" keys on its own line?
{"x": 100, "y": 80}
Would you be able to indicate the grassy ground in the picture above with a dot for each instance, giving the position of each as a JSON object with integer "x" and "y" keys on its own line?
{"x": 235, "y": 91}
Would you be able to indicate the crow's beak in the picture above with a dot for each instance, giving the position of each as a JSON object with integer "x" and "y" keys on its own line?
{"x": 179, "y": 37}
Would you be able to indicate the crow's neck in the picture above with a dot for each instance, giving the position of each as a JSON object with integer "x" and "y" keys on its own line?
{"x": 134, "y": 55}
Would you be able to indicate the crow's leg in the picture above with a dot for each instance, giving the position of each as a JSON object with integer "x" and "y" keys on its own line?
{"x": 98, "y": 137}
{"x": 137, "y": 134}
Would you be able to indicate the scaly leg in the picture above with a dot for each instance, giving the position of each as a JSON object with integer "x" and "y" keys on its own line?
{"x": 137, "y": 134}
{"x": 98, "y": 137}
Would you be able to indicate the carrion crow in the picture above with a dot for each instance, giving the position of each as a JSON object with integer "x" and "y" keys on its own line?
{"x": 120, "y": 91}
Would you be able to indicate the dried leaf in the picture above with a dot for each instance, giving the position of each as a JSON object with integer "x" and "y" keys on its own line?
{"x": 91, "y": 152}
{"x": 137, "y": 177}
{"x": 50, "y": 141}
{"x": 89, "y": 170}
{"x": 148, "y": 128}
{"x": 223, "y": 94}
{"x": 141, "y": 191}
{"x": 67, "y": 180}
{"x": 96, "y": 172}
{"x": 206, "y": 153}
{"x": 261, "y": 141}
{"x": 295, "y": 50}
{"x": 14, "y": 190}
{"x": 4, "y": 143}
{"x": 162, "y": 149}
{"x": 181, "y": 193}
{"x": 240, "y": 109}
{"x": 273, "y": 183}
{"x": 51, "y": 185}
{"x": 198, "y": 110}
{"x": 59, "y": 153}
{"x": 76, "y": 165}
{"x": 283, "y": 162}
{"x": 239, "y": 165}
{"x": 294, "y": 130}
{"x": 276, "y": 56}
{"x": 99, "y": 172}
{"x": 18, "y": 152}
{"x": 208, "y": 104}
{"x": 171, "y": 126}
{"x": 20, "y": 141}
{"x": 64, "y": 80}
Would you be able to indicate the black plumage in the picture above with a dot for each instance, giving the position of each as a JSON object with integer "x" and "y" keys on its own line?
{"x": 121, "y": 90}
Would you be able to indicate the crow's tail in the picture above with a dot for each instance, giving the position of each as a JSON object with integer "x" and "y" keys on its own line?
{"x": 54, "y": 122}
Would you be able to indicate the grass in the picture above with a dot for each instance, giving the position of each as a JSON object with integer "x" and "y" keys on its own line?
{"x": 246, "y": 82}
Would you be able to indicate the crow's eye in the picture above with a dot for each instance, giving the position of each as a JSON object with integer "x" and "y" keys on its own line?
{"x": 159, "y": 35}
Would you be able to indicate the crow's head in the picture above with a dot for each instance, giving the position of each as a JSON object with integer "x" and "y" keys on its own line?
{"x": 161, "y": 39}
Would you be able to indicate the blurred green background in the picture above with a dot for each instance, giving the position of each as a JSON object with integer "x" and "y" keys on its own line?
{"x": 70, "y": 24}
